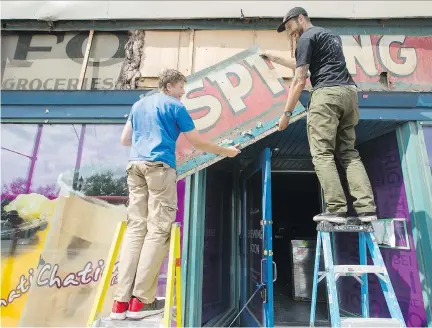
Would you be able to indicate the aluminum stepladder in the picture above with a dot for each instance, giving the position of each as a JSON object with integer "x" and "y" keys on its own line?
{"x": 173, "y": 277}
{"x": 360, "y": 272}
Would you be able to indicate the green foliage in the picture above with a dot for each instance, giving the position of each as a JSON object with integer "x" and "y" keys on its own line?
{"x": 105, "y": 184}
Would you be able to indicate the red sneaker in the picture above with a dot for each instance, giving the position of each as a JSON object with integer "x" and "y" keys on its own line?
{"x": 139, "y": 310}
{"x": 119, "y": 310}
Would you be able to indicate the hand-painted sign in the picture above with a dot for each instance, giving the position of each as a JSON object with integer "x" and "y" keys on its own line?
{"x": 237, "y": 101}
{"x": 40, "y": 61}
{"x": 395, "y": 62}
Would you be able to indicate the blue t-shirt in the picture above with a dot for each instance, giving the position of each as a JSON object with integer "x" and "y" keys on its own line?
{"x": 157, "y": 122}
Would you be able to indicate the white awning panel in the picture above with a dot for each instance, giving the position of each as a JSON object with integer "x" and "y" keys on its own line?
{"x": 102, "y": 10}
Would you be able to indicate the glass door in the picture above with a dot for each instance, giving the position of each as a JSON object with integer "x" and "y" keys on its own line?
{"x": 257, "y": 249}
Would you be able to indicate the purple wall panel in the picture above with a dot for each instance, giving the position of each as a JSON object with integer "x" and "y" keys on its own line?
{"x": 382, "y": 161}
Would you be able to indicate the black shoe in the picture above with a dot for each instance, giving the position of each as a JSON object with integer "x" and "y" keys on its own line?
{"x": 337, "y": 217}
{"x": 367, "y": 217}
{"x": 140, "y": 310}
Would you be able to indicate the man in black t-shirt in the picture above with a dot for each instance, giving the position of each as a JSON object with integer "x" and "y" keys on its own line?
{"x": 332, "y": 115}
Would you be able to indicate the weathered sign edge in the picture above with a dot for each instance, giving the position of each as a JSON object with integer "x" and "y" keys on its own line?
{"x": 205, "y": 160}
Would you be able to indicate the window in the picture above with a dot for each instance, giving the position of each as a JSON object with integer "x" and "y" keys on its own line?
{"x": 17, "y": 143}
{"x": 102, "y": 171}
{"x": 33, "y": 157}
{"x": 56, "y": 153}
{"x": 217, "y": 245}
{"x": 427, "y": 132}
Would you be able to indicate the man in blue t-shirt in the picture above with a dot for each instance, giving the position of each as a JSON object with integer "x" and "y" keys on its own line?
{"x": 152, "y": 129}
{"x": 332, "y": 114}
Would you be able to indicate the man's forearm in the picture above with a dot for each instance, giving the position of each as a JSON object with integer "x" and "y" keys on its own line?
{"x": 210, "y": 147}
{"x": 287, "y": 62}
{"x": 294, "y": 95}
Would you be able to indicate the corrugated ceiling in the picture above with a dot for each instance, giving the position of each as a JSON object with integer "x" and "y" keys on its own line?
{"x": 291, "y": 148}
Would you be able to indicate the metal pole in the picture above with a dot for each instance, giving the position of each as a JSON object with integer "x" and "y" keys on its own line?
{"x": 83, "y": 127}
{"x": 33, "y": 159}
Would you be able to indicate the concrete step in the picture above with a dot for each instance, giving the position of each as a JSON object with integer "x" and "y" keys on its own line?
{"x": 152, "y": 321}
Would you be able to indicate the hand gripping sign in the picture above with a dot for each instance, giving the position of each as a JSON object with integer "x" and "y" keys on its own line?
{"x": 236, "y": 101}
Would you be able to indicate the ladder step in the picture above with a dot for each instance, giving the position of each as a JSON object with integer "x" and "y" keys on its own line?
{"x": 348, "y": 227}
{"x": 358, "y": 269}
{"x": 370, "y": 322}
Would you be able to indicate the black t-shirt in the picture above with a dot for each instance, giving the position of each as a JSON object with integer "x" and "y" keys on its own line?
{"x": 322, "y": 50}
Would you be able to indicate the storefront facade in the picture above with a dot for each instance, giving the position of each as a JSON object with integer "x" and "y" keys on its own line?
{"x": 49, "y": 127}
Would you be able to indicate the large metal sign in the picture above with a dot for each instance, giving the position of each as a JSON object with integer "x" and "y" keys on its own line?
{"x": 237, "y": 101}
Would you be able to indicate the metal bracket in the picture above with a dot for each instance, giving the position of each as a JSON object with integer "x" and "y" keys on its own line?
{"x": 321, "y": 275}
{"x": 227, "y": 142}
{"x": 264, "y": 294}
{"x": 247, "y": 133}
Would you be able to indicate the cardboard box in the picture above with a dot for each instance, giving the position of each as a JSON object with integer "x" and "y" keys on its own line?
{"x": 303, "y": 261}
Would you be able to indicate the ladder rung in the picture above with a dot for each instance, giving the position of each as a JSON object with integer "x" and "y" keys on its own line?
{"x": 358, "y": 269}
{"x": 370, "y": 322}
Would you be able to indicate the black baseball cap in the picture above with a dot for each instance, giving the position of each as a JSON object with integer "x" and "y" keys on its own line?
{"x": 295, "y": 12}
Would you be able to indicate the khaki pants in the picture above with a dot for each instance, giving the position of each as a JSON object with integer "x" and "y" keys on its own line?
{"x": 333, "y": 114}
{"x": 151, "y": 213}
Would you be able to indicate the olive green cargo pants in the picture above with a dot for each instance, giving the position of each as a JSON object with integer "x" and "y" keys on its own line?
{"x": 333, "y": 114}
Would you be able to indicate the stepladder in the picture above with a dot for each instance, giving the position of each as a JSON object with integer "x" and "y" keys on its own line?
{"x": 360, "y": 272}
{"x": 173, "y": 304}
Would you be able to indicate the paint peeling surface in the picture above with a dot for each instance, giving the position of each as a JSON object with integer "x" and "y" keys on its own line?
{"x": 386, "y": 60}
{"x": 389, "y": 62}
{"x": 239, "y": 100}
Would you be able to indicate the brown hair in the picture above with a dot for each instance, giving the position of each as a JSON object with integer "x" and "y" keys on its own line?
{"x": 171, "y": 76}
{"x": 293, "y": 44}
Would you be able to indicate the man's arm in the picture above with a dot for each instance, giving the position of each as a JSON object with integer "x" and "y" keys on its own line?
{"x": 209, "y": 147}
{"x": 297, "y": 86}
{"x": 126, "y": 137}
{"x": 287, "y": 62}
{"x": 303, "y": 54}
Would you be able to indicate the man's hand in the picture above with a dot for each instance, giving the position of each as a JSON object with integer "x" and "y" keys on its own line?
{"x": 283, "y": 122}
{"x": 209, "y": 147}
{"x": 267, "y": 55}
{"x": 232, "y": 151}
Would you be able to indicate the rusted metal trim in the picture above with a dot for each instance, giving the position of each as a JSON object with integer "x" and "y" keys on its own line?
{"x": 411, "y": 26}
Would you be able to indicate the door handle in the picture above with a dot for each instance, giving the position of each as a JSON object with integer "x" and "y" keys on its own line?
{"x": 261, "y": 268}
{"x": 275, "y": 271}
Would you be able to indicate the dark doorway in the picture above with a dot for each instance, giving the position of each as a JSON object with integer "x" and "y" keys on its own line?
{"x": 296, "y": 198}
